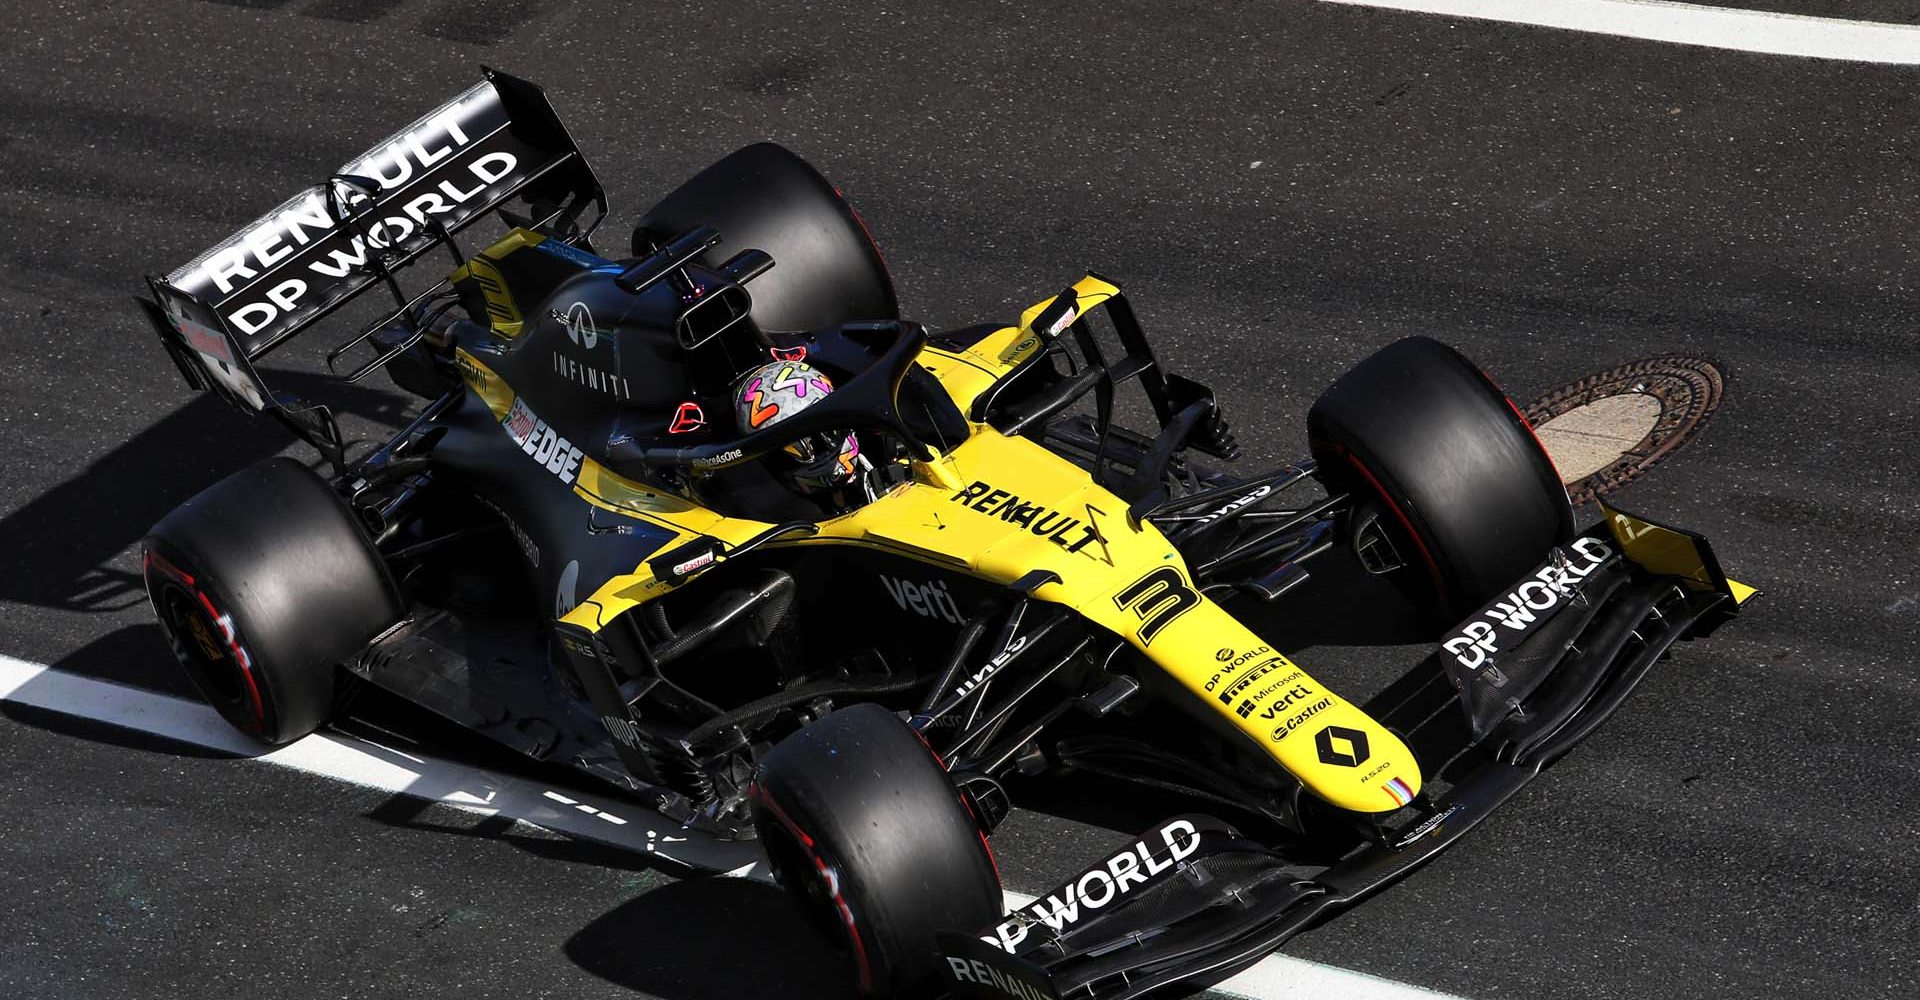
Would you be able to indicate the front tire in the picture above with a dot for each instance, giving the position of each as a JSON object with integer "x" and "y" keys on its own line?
{"x": 1469, "y": 498}
{"x": 263, "y": 584}
{"x": 862, "y": 823}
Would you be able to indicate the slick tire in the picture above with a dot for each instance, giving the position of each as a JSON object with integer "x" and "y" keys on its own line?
{"x": 826, "y": 268}
{"x": 263, "y": 584}
{"x": 861, "y": 823}
{"x": 1463, "y": 489}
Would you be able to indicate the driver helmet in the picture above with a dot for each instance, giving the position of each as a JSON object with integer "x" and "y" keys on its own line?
{"x": 778, "y": 390}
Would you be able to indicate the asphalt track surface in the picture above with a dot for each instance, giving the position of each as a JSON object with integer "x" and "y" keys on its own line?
{"x": 1281, "y": 186}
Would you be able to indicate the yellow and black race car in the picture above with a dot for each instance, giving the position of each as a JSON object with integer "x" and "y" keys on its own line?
{"x": 713, "y": 524}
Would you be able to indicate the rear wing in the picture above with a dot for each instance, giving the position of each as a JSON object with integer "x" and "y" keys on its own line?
{"x": 497, "y": 142}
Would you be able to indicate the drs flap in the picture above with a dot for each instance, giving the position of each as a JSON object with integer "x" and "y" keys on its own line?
{"x": 467, "y": 157}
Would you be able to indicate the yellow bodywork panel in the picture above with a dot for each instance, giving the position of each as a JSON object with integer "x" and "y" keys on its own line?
{"x": 997, "y": 508}
{"x": 968, "y": 373}
{"x": 480, "y": 270}
{"x": 485, "y": 383}
{"x": 1673, "y": 552}
{"x": 1018, "y": 508}
{"x": 1024, "y": 508}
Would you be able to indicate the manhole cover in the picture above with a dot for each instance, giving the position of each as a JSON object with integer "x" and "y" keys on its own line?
{"x": 1607, "y": 428}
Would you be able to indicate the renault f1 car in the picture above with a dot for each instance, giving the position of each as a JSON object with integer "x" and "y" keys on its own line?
{"x": 576, "y": 550}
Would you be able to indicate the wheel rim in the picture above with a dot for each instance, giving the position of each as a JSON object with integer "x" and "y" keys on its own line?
{"x": 798, "y": 865}
{"x": 207, "y": 645}
{"x": 794, "y": 868}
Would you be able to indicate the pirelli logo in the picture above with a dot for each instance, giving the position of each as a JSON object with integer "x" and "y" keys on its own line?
{"x": 1246, "y": 680}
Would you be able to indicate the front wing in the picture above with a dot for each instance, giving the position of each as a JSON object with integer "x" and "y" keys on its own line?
{"x": 1194, "y": 900}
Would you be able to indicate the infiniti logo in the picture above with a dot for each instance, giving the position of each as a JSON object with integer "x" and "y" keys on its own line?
{"x": 578, "y": 320}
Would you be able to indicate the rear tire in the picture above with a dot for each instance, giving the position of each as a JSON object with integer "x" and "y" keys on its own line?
{"x": 862, "y": 824}
{"x": 826, "y": 269}
{"x": 1470, "y": 499}
{"x": 263, "y": 584}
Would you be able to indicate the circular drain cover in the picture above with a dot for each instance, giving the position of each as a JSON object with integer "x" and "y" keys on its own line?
{"x": 1607, "y": 428}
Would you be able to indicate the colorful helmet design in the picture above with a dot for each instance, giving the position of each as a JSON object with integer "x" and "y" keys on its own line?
{"x": 772, "y": 393}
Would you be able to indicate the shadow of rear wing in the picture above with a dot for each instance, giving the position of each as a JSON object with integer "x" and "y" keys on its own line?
{"x": 496, "y": 142}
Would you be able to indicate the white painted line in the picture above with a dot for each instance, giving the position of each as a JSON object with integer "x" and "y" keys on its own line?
{"x": 579, "y": 814}
{"x": 1691, "y": 24}
{"x": 335, "y": 755}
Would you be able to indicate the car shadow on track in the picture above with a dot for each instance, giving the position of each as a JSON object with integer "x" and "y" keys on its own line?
{"x": 712, "y": 939}
{"x": 61, "y": 545}
{"x": 106, "y": 733}
{"x": 408, "y": 811}
{"x": 1341, "y": 604}
{"x": 135, "y": 656}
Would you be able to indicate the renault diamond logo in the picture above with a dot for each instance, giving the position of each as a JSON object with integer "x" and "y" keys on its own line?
{"x": 1345, "y": 747}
